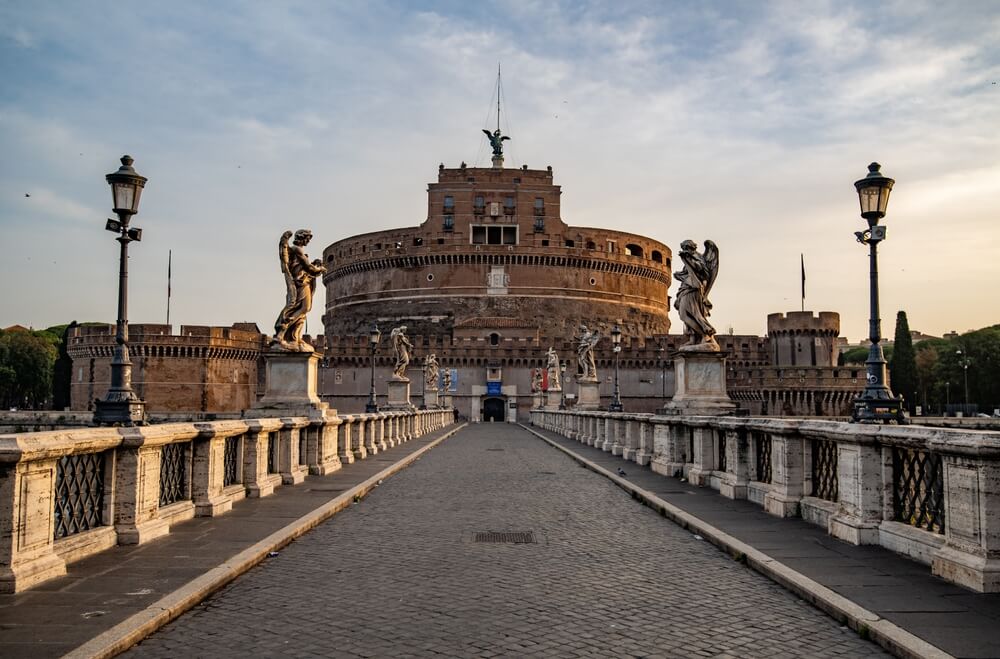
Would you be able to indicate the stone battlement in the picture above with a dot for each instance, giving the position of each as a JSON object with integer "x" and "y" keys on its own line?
{"x": 804, "y": 322}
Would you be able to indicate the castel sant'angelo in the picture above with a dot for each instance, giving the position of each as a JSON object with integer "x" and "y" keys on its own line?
{"x": 488, "y": 282}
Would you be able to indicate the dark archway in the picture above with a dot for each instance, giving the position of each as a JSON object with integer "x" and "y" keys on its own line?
{"x": 494, "y": 409}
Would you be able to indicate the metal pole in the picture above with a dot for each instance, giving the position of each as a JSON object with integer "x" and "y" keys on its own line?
{"x": 965, "y": 374}
{"x": 616, "y": 404}
{"x": 372, "y": 405}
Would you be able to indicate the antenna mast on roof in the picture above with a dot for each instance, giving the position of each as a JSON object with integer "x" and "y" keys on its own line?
{"x": 496, "y": 139}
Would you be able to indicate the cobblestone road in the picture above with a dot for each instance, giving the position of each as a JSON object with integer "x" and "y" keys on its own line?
{"x": 400, "y": 574}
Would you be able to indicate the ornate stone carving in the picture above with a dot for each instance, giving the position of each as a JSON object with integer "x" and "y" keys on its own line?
{"x": 692, "y": 302}
{"x": 431, "y": 371}
{"x": 300, "y": 283}
{"x": 586, "y": 342}
{"x": 402, "y": 347}
{"x": 536, "y": 380}
{"x": 553, "y": 368}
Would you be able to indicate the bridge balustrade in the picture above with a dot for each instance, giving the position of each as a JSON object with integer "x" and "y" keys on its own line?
{"x": 932, "y": 494}
{"x": 68, "y": 494}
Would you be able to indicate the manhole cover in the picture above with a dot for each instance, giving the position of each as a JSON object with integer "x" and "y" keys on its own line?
{"x": 505, "y": 537}
{"x": 494, "y": 449}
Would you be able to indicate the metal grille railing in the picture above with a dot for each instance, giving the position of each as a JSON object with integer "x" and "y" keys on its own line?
{"x": 231, "y": 461}
{"x": 918, "y": 489}
{"x": 720, "y": 436}
{"x": 762, "y": 444}
{"x": 173, "y": 473}
{"x": 272, "y": 452}
{"x": 824, "y": 469}
{"x": 79, "y": 494}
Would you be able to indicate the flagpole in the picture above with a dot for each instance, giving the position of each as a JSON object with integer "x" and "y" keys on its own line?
{"x": 170, "y": 258}
{"x": 802, "y": 258}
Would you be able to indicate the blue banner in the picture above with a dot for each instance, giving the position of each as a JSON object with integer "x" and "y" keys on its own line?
{"x": 493, "y": 388}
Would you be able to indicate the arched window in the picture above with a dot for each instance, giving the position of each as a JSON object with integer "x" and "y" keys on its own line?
{"x": 657, "y": 256}
{"x": 591, "y": 245}
{"x": 632, "y": 249}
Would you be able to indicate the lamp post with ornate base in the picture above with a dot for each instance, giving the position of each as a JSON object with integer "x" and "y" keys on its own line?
{"x": 616, "y": 341}
{"x": 374, "y": 336}
{"x": 121, "y": 406}
{"x": 876, "y": 403}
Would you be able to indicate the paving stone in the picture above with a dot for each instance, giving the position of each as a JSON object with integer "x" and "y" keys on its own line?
{"x": 400, "y": 570}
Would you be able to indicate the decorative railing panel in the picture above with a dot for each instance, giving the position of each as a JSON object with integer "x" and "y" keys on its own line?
{"x": 918, "y": 489}
{"x": 79, "y": 494}
{"x": 173, "y": 473}
{"x": 762, "y": 451}
{"x": 231, "y": 460}
{"x": 824, "y": 469}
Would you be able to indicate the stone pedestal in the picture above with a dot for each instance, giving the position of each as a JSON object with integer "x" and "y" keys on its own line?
{"x": 447, "y": 403}
{"x": 554, "y": 399}
{"x": 431, "y": 399}
{"x": 399, "y": 395}
{"x": 290, "y": 387}
{"x": 588, "y": 395}
{"x": 537, "y": 400}
{"x": 700, "y": 385}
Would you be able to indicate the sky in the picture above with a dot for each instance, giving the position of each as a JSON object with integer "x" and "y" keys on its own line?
{"x": 741, "y": 122}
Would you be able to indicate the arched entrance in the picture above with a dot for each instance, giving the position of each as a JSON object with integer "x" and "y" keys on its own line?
{"x": 494, "y": 409}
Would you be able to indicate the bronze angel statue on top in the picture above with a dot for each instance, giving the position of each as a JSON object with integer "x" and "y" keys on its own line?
{"x": 300, "y": 284}
{"x": 692, "y": 301}
{"x": 496, "y": 141}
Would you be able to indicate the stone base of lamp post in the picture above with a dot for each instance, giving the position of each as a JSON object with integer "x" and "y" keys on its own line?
{"x": 431, "y": 399}
{"x": 130, "y": 412}
{"x": 399, "y": 395}
{"x": 290, "y": 386}
{"x": 700, "y": 385}
{"x": 554, "y": 399}
{"x": 588, "y": 396}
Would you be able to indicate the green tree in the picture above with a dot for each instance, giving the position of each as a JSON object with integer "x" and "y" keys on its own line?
{"x": 903, "y": 365}
{"x": 26, "y": 360}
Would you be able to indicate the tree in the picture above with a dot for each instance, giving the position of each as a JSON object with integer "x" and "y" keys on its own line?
{"x": 62, "y": 371}
{"x": 903, "y": 365}
{"x": 26, "y": 360}
{"x": 926, "y": 361}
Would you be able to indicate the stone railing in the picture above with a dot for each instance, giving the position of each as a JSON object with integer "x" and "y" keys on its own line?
{"x": 67, "y": 494}
{"x": 932, "y": 494}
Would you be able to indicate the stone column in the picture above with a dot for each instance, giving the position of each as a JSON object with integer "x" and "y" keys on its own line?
{"x": 734, "y": 482}
{"x": 208, "y": 489}
{"x": 289, "y": 469}
{"x": 630, "y": 445}
{"x": 617, "y": 427}
{"x": 859, "y": 487}
{"x": 259, "y": 438}
{"x": 705, "y": 458}
{"x": 27, "y": 523}
{"x": 327, "y": 458}
{"x": 369, "y": 432}
{"x": 669, "y": 447}
{"x": 787, "y": 475}
{"x": 644, "y": 453}
{"x": 344, "y": 451}
{"x": 358, "y": 437}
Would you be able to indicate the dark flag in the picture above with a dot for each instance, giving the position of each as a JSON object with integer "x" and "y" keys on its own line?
{"x": 803, "y": 259}
{"x": 170, "y": 258}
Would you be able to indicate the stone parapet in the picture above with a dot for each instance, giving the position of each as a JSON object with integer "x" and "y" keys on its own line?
{"x": 932, "y": 494}
{"x": 68, "y": 494}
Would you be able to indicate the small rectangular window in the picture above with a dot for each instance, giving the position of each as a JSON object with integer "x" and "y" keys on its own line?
{"x": 493, "y": 235}
{"x": 449, "y": 202}
{"x": 539, "y": 202}
{"x": 539, "y": 225}
{"x": 480, "y": 202}
{"x": 508, "y": 203}
{"x": 479, "y": 235}
{"x": 449, "y": 222}
{"x": 509, "y": 235}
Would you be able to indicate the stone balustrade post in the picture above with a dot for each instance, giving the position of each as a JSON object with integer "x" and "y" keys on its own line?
{"x": 27, "y": 522}
{"x": 620, "y": 435}
{"x": 787, "y": 475}
{"x": 737, "y": 475}
{"x": 358, "y": 437}
{"x": 670, "y": 446}
{"x": 381, "y": 441}
{"x": 705, "y": 458}
{"x": 209, "y": 491}
{"x": 630, "y": 443}
{"x": 260, "y": 442}
{"x": 344, "y": 451}
{"x": 369, "y": 433}
{"x": 600, "y": 430}
{"x": 324, "y": 457}
{"x": 644, "y": 442}
{"x": 289, "y": 467}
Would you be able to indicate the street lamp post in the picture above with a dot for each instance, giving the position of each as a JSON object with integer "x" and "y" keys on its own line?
{"x": 374, "y": 336}
{"x": 121, "y": 406}
{"x": 947, "y": 397}
{"x": 663, "y": 373}
{"x": 964, "y": 362}
{"x": 562, "y": 383}
{"x": 876, "y": 403}
{"x": 616, "y": 341}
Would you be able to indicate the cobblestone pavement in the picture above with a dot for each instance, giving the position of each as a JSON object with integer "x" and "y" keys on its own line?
{"x": 401, "y": 574}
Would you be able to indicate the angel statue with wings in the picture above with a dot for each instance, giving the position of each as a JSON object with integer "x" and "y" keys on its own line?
{"x": 496, "y": 141}
{"x": 402, "y": 347}
{"x": 300, "y": 283}
{"x": 692, "y": 301}
{"x": 431, "y": 372}
{"x": 586, "y": 342}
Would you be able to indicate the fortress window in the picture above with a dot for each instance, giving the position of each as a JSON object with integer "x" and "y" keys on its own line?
{"x": 570, "y": 243}
{"x": 656, "y": 256}
{"x": 508, "y": 205}
{"x": 611, "y": 246}
{"x": 545, "y": 243}
{"x": 494, "y": 235}
{"x": 539, "y": 206}
{"x": 591, "y": 245}
{"x": 539, "y": 225}
{"x": 449, "y": 203}
{"x": 417, "y": 242}
{"x": 449, "y": 222}
{"x": 480, "y": 204}
{"x": 633, "y": 250}
{"x": 494, "y": 339}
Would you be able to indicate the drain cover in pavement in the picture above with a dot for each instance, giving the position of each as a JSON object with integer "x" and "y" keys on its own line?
{"x": 494, "y": 449}
{"x": 505, "y": 537}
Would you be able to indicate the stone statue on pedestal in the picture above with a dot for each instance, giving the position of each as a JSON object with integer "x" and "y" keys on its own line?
{"x": 553, "y": 368}
{"x": 496, "y": 141}
{"x": 431, "y": 371}
{"x": 300, "y": 284}
{"x": 692, "y": 301}
{"x": 586, "y": 342}
{"x": 402, "y": 347}
{"x": 536, "y": 380}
